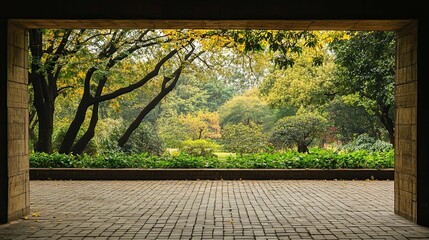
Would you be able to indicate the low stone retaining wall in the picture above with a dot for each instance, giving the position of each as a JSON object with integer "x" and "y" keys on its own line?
{"x": 207, "y": 174}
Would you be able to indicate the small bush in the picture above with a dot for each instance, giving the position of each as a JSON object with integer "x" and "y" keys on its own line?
{"x": 244, "y": 138}
{"x": 199, "y": 148}
{"x": 54, "y": 160}
{"x": 365, "y": 142}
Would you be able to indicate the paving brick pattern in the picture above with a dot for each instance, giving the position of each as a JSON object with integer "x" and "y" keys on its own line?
{"x": 212, "y": 210}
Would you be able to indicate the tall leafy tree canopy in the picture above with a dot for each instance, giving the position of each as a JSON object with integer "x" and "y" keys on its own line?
{"x": 366, "y": 70}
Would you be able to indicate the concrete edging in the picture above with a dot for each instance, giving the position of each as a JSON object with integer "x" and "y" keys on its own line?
{"x": 207, "y": 174}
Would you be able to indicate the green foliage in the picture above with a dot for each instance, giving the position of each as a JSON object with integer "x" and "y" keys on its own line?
{"x": 187, "y": 98}
{"x": 54, "y": 160}
{"x": 174, "y": 128}
{"x": 303, "y": 84}
{"x": 120, "y": 160}
{"x": 199, "y": 148}
{"x": 365, "y": 142}
{"x": 316, "y": 159}
{"x": 243, "y": 138}
{"x": 245, "y": 109}
{"x": 288, "y": 160}
{"x": 299, "y": 130}
{"x": 367, "y": 65}
{"x": 202, "y": 125}
{"x": 352, "y": 119}
{"x": 218, "y": 93}
{"x": 283, "y": 43}
{"x": 145, "y": 139}
{"x": 366, "y": 69}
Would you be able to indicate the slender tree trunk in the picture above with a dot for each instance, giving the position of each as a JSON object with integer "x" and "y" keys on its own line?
{"x": 152, "y": 104}
{"x": 146, "y": 110}
{"x": 44, "y": 77}
{"x": 81, "y": 144}
{"x": 200, "y": 134}
{"x": 74, "y": 128}
{"x": 172, "y": 81}
{"x": 43, "y": 100}
{"x": 79, "y": 117}
{"x": 388, "y": 123}
{"x": 34, "y": 121}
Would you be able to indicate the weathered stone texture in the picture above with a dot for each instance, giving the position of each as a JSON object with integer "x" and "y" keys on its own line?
{"x": 17, "y": 121}
{"x": 406, "y": 123}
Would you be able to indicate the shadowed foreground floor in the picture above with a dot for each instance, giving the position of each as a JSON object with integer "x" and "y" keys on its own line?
{"x": 212, "y": 210}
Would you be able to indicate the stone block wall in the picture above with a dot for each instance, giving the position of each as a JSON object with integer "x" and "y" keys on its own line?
{"x": 406, "y": 122}
{"x": 17, "y": 121}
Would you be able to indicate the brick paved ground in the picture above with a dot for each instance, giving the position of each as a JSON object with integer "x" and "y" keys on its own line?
{"x": 212, "y": 210}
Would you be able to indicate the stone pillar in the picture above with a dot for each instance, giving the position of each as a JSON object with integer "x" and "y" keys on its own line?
{"x": 406, "y": 123}
{"x": 17, "y": 195}
{"x": 3, "y": 122}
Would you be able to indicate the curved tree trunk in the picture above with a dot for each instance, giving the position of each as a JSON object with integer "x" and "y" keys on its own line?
{"x": 79, "y": 117}
{"x": 167, "y": 86}
{"x": 146, "y": 110}
{"x": 88, "y": 101}
{"x": 73, "y": 130}
{"x": 81, "y": 144}
{"x": 388, "y": 123}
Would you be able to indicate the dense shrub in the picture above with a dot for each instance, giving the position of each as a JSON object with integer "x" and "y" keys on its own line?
{"x": 145, "y": 139}
{"x": 244, "y": 138}
{"x": 199, "y": 147}
{"x": 321, "y": 159}
{"x": 299, "y": 131}
{"x": 317, "y": 158}
{"x": 365, "y": 142}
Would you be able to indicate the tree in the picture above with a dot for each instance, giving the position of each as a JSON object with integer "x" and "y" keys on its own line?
{"x": 113, "y": 50}
{"x": 247, "y": 109}
{"x": 299, "y": 130}
{"x": 186, "y": 98}
{"x": 366, "y": 67}
{"x": 202, "y": 125}
{"x": 172, "y": 129}
{"x": 202, "y": 94}
{"x": 351, "y": 120}
{"x": 303, "y": 84}
{"x": 243, "y": 138}
{"x": 175, "y": 129}
{"x": 98, "y": 61}
{"x": 284, "y": 44}
{"x": 48, "y": 57}
{"x": 168, "y": 84}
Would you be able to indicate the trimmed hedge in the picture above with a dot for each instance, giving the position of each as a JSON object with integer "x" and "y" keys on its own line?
{"x": 319, "y": 159}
